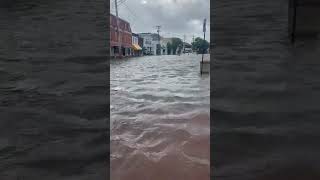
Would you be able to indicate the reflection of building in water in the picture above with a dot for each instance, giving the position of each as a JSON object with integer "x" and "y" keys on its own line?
{"x": 125, "y": 40}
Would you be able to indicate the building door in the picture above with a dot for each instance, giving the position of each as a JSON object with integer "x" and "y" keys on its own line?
{"x": 158, "y": 49}
{"x": 123, "y": 51}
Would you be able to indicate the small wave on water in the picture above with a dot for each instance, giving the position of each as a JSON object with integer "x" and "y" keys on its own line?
{"x": 159, "y": 130}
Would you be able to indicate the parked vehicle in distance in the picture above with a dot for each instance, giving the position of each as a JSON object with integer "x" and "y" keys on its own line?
{"x": 187, "y": 50}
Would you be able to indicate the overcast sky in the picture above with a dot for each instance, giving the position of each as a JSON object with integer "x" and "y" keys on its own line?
{"x": 176, "y": 17}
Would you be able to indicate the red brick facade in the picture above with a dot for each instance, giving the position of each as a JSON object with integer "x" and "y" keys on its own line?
{"x": 125, "y": 32}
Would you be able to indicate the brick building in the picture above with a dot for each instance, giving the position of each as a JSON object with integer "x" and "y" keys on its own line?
{"x": 125, "y": 40}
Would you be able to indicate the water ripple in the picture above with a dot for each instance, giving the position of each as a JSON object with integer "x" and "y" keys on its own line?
{"x": 159, "y": 118}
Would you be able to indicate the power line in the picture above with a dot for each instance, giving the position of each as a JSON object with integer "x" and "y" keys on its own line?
{"x": 120, "y": 2}
{"x": 112, "y": 7}
{"x": 129, "y": 17}
{"x": 133, "y": 13}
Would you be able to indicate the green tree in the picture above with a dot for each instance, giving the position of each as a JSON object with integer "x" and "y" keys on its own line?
{"x": 176, "y": 42}
{"x": 200, "y": 45}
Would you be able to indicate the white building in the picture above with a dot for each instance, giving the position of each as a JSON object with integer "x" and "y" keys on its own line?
{"x": 150, "y": 42}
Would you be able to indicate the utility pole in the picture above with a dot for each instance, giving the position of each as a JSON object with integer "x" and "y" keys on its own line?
{"x": 118, "y": 32}
{"x": 158, "y": 30}
{"x": 184, "y": 40}
{"x": 204, "y": 38}
{"x": 192, "y": 44}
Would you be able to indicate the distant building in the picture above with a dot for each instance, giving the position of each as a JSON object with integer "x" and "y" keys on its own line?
{"x": 136, "y": 48}
{"x": 120, "y": 46}
{"x": 150, "y": 43}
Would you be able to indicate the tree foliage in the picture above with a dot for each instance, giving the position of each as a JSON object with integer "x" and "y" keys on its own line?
{"x": 200, "y": 45}
{"x": 169, "y": 48}
{"x": 176, "y": 43}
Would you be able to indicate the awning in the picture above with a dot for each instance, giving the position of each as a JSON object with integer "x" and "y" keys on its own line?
{"x": 136, "y": 47}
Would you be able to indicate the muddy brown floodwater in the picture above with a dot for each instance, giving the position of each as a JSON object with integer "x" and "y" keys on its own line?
{"x": 160, "y": 123}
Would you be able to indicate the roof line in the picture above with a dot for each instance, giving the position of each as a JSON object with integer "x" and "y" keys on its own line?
{"x": 120, "y": 18}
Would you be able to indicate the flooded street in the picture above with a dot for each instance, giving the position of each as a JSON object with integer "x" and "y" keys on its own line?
{"x": 159, "y": 118}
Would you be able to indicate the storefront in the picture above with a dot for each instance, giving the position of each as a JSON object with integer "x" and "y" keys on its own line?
{"x": 120, "y": 37}
{"x": 137, "y": 50}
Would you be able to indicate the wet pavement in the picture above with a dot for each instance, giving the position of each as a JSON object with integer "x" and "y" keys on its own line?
{"x": 159, "y": 118}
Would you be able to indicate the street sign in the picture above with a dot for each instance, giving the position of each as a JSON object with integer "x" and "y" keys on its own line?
{"x": 204, "y": 25}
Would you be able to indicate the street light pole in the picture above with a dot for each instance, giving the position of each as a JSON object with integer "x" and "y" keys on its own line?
{"x": 204, "y": 38}
{"x": 158, "y": 30}
{"x": 184, "y": 40}
{"x": 118, "y": 32}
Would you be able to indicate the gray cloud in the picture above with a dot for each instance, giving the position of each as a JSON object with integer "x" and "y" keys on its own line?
{"x": 176, "y": 17}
